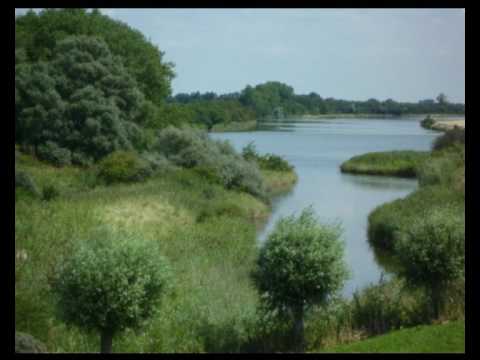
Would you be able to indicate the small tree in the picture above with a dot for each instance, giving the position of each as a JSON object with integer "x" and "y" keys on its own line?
{"x": 108, "y": 285}
{"x": 432, "y": 253}
{"x": 300, "y": 265}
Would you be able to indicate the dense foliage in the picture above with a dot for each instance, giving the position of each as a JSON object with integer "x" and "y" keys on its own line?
{"x": 37, "y": 35}
{"x": 78, "y": 107}
{"x": 300, "y": 265}
{"x": 432, "y": 252}
{"x": 123, "y": 166}
{"x": 109, "y": 284}
{"x": 192, "y": 148}
{"x": 267, "y": 161}
{"x": 449, "y": 138}
{"x": 274, "y": 99}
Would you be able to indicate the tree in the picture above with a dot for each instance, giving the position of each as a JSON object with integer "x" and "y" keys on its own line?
{"x": 300, "y": 265}
{"x": 442, "y": 99}
{"x": 109, "y": 284}
{"x": 432, "y": 253}
{"x": 40, "y": 34}
{"x": 82, "y": 100}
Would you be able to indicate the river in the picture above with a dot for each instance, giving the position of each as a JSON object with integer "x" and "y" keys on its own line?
{"x": 316, "y": 148}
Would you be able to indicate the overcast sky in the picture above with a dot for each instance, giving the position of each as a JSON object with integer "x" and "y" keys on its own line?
{"x": 404, "y": 54}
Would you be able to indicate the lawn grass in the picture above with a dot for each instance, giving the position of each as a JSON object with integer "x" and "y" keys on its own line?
{"x": 391, "y": 163}
{"x": 442, "y": 338}
{"x": 207, "y": 233}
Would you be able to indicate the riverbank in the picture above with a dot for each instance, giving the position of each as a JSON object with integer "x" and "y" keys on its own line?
{"x": 366, "y": 115}
{"x": 235, "y": 126}
{"x": 207, "y": 233}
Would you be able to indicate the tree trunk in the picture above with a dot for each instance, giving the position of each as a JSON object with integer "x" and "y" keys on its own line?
{"x": 106, "y": 339}
{"x": 299, "y": 331}
{"x": 436, "y": 297}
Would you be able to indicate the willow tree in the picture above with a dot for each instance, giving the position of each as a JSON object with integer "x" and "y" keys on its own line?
{"x": 301, "y": 265}
{"x": 110, "y": 284}
{"x": 432, "y": 253}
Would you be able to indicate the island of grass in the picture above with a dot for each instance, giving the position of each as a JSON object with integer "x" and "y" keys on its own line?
{"x": 391, "y": 163}
{"x": 440, "y": 338}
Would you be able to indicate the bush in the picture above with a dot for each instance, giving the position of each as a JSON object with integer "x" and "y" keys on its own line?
{"x": 25, "y": 343}
{"x": 386, "y": 306}
{"x": 81, "y": 159}
{"x": 300, "y": 265}
{"x": 449, "y": 138}
{"x": 123, "y": 166}
{"x": 432, "y": 252}
{"x": 158, "y": 163}
{"x": 216, "y": 160}
{"x": 109, "y": 284}
{"x": 25, "y": 182}
{"x": 50, "y": 192}
{"x": 55, "y": 155}
{"x": 267, "y": 161}
{"x": 427, "y": 122}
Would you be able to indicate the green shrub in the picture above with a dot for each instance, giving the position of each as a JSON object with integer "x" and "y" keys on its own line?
{"x": 300, "y": 265}
{"x": 109, "y": 284}
{"x": 123, "y": 166}
{"x": 54, "y": 154}
{"x": 25, "y": 183}
{"x": 267, "y": 161}
{"x": 386, "y": 306}
{"x": 427, "y": 122}
{"x": 81, "y": 159}
{"x": 432, "y": 252}
{"x": 387, "y": 221}
{"x": 50, "y": 192}
{"x": 216, "y": 160}
{"x": 158, "y": 163}
{"x": 449, "y": 138}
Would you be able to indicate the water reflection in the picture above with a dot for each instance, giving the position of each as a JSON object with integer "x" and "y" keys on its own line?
{"x": 376, "y": 183}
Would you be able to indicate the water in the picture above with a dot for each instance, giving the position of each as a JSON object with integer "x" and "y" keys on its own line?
{"x": 317, "y": 148}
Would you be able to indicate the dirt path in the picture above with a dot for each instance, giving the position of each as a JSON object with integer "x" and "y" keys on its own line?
{"x": 448, "y": 124}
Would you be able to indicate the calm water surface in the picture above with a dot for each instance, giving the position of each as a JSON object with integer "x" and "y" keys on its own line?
{"x": 316, "y": 149}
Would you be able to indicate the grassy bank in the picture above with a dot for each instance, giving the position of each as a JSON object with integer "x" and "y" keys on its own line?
{"x": 206, "y": 232}
{"x": 442, "y": 184}
{"x": 443, "y": 338}
{"x": 392, "y": 163}
{"x": 235, "y": 126}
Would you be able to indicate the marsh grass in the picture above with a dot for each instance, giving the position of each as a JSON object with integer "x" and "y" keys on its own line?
{"x": 392, "y": 163}
{"x": 213, "y": 303}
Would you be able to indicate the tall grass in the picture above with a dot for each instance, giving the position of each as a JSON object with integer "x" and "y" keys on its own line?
{"x": 392, "y": 163}
{"x": 211, "y": 259}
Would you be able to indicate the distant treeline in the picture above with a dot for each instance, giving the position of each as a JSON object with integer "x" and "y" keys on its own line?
{"x": 276, "y": 100}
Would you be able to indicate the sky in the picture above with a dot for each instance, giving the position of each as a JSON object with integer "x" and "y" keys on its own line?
{"x": 351, "y": 54}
